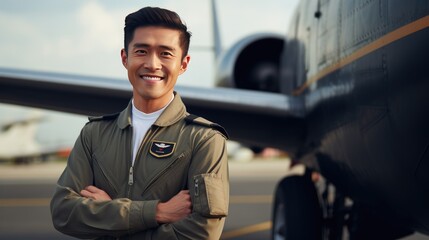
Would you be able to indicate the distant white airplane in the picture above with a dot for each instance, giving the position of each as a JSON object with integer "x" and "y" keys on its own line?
{"x": 18, "y": 141}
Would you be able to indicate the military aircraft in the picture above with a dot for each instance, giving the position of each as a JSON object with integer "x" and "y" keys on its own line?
{"x": 345, "y": 93}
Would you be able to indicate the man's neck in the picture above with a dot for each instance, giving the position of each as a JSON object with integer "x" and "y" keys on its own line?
{"x": 151, "y": 105}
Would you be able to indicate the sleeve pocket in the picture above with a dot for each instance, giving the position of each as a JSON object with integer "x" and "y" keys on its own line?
{"x": 209, "y": 195}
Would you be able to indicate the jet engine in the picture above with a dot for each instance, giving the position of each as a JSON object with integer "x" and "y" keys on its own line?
{"x": 252, "y": 63}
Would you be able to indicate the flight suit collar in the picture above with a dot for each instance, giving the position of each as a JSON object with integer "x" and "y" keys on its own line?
{"x": 172, "y": 114}
{"x": 124, "y": 119}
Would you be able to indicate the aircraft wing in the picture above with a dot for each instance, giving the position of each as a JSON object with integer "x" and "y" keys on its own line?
{"x": 251, "y": 117}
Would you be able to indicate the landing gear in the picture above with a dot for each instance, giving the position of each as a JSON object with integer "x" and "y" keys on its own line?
{"x": 297, "y": 213}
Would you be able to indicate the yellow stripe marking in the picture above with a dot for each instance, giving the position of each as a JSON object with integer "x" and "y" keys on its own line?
{"x": 393, "y": 36}
{"x": 247, "y": 230}
{"x": 24, "y": 202}
{"x": 31, "y": 202}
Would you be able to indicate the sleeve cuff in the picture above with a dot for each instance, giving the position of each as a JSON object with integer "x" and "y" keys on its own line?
{"x": 142, "y": 214}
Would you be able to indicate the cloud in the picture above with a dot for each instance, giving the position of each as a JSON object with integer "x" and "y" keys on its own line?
{"x": 100, "y": 27}
{"x": 83, "y": 39}
{"x": 95, "y": 31}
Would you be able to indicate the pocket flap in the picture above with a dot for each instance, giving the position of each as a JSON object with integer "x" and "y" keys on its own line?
{"x": 210, "y": 195}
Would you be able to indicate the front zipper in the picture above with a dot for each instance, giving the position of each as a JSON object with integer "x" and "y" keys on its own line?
{"x": 131, "y": 177}
{"x": 149, "y": 135}
{"x": 129, "y": 155}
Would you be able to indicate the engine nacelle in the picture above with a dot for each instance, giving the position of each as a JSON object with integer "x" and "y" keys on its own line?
{"x": 252, "y": 63}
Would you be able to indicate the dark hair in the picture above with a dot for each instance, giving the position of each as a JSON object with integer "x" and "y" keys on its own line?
{"x": 154, "y": 16}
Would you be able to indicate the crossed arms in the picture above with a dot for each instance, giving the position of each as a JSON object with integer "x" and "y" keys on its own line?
{"x": 175, "y": 209}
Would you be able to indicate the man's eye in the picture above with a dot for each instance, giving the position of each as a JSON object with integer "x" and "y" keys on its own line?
{"x": 166, "y": 54}
{"x": 140, "y": 51}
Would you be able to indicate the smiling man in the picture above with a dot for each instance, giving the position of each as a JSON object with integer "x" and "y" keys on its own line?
{"x": 152, "y": 171}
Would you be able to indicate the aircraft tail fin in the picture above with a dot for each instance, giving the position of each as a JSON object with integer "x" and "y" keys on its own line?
{"x": 216, "y": 32}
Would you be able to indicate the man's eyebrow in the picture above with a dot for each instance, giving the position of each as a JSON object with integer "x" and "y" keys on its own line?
{"x": 141, "y": 45}
{"x": 167, "y": 48}
{"x": 144, "y": 45}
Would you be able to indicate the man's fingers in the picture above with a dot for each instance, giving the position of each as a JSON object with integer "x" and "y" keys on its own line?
{"x": 174, "y": 209}
{"x": 186, "y": 197}
{"x": 93, "y": 189}
{"x": 185, "y": 194}
{"x": 85, "y": 193}
{"x": 95, "y": 193}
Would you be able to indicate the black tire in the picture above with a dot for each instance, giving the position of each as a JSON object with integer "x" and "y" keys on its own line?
{"x": 297, "y": 214}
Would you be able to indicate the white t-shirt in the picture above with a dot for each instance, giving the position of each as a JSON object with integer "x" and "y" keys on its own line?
{"x": 141, "y": 123}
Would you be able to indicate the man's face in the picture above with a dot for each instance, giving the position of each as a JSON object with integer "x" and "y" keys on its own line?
{"x": 154, "y": 62}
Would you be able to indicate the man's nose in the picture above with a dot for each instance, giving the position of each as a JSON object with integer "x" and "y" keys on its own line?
{"x": 152, "y": 62}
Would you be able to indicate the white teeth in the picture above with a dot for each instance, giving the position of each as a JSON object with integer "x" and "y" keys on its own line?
{"x": 151, "y": 78}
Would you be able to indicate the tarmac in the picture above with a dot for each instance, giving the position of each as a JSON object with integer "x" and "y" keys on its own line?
{"x": 242, "y": 173}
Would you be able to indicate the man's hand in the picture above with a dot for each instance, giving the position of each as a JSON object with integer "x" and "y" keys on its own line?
{"x": 95, "y": 193}
{"x": 176, "y": 208}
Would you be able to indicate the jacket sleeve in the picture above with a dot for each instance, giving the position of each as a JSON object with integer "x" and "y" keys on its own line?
{"x": 208, "y": 183}
{"x": 81, "y": 217}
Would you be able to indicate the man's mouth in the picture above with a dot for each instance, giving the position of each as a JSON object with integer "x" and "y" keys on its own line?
{"x": 150, "y": 78}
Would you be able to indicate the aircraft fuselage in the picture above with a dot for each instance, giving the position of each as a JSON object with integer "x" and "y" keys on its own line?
{"x": 363, "y": 73}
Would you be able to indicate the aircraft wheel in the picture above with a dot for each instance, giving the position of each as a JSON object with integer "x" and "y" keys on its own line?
{"x": 296, "y": 213}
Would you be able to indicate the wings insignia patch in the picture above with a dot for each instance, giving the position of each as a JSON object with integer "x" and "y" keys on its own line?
{"x": 162, "y": 149}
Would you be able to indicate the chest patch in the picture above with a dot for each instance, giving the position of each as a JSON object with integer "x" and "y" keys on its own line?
{"x": 162, "y": 149}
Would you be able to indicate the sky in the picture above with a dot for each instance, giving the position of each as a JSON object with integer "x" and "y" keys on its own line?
{"x": 84, "y": 37}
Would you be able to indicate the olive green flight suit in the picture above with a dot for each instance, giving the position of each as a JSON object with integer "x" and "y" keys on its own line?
{"x": 178, "y": 152}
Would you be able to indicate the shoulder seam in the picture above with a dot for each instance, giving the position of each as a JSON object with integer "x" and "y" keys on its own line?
{"x": 104, "y": 117}
{"x": 191, "y": 118}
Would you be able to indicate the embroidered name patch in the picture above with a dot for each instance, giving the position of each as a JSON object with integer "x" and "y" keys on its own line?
{"x": 162, "y": 149}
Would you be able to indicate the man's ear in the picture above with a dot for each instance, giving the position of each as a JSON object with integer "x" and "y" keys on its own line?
{"x": 185, "y": 63}
{"x": 124, "y": 57}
